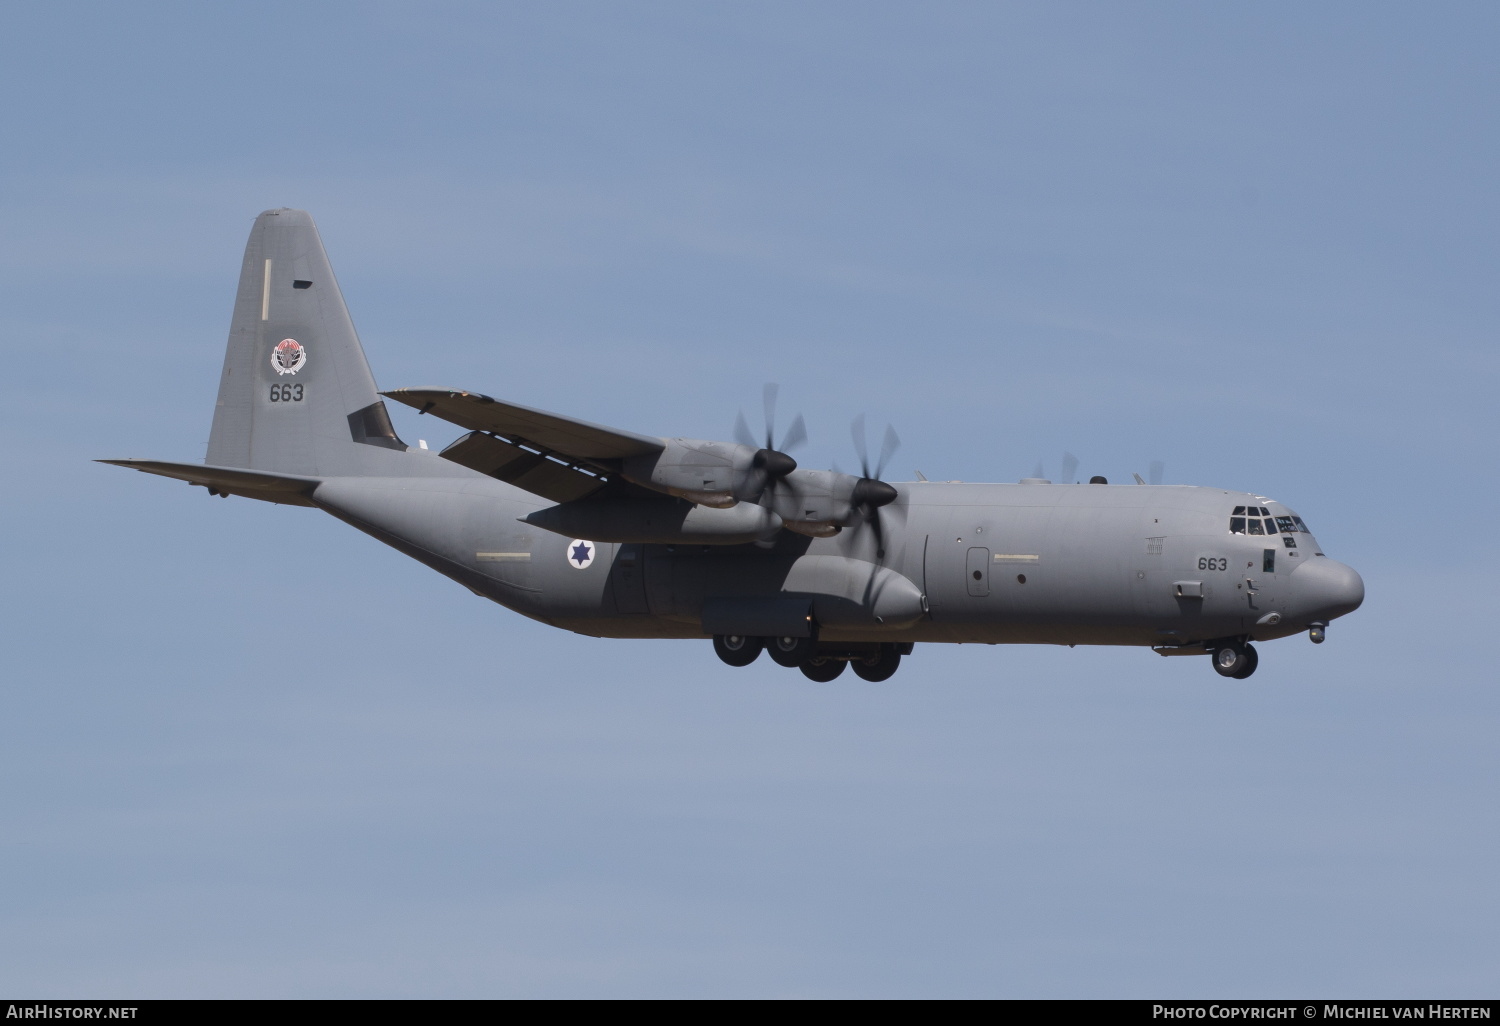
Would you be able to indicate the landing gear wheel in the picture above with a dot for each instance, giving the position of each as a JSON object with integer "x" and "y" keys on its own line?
{"x": 823, "y": 669}
{"x": 790, "y": 651}
{"x": 736, "y": 649}
{"x": 880, "y": 666}
{"x": 1254, "y": 661}
{"x": 1235, "y": 660}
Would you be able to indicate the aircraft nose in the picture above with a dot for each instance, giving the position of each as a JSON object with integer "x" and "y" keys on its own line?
{"x": 1326, "y": 588}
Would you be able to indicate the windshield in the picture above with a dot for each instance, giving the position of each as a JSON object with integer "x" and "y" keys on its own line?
{"x": 1257, "y": 520}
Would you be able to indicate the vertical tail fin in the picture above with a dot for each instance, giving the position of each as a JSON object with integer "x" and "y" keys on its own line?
{"x": 296, "y": 396}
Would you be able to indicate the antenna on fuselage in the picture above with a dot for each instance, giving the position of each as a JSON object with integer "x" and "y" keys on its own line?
{"x": 1158, "y": 468}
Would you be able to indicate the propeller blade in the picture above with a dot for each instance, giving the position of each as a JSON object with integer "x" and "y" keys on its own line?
{"x": 768, "y": 398}
{"x": 742, "y": 432}
{"x": 1157, "y": 469}
{"x": 795, "y": 435}
{"x": 888, "y": 447}
{"x": 1038, "y": 471}
{"x": 1069, "y": 467}
{"x": 857, "y": 430}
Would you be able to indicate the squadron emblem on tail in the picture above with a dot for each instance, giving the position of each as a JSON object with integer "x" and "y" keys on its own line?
{"x": 289, "y": 356}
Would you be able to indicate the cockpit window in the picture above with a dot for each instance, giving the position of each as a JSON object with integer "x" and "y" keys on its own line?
{"x": 1239, "y": 523}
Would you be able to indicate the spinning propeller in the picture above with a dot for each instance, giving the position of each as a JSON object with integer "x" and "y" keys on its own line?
{"x": 771, "y": 460}
{"x": 870, "y": 492}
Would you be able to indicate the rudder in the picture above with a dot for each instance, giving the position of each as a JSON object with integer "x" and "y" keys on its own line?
{"x": 296, "y": 395}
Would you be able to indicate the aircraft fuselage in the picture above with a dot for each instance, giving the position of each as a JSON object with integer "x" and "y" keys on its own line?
{"x": 992, "y": 563}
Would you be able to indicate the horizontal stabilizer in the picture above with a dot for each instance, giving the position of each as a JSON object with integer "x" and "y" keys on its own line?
{"x": 547, "y": 432}
{"x": 252, "y": 484}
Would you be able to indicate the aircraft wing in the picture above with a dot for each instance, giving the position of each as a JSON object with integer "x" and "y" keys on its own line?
{"x": 559, "y": 458}
{"x": 550, "y": 432}
{"x": 287, "y": 489}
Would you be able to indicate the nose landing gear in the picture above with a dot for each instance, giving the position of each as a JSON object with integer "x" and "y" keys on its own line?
{"x": 1235, "y": 659}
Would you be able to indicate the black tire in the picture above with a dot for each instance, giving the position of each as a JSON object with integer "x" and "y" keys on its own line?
{"x": 792, "y": 652}
{"x": 881, "y": 666}
{"x": 789, "y": 651}
{"x": 823, "y": 669}
{"x": 736, "y": 649}
{"x": 1230, "y": 660}
{"x": 1253, "y": 661}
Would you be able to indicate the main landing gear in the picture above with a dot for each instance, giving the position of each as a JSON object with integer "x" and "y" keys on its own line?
{"x": 818, "y": 662}
{"x": 737, "y": 649}
{"x": 1235, "y": 659}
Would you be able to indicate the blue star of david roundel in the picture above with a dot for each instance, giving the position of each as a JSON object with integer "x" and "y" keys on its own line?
{"x": 581, "y": 553}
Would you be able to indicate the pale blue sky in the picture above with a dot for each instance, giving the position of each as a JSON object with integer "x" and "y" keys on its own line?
{"x": 250, "y": 752}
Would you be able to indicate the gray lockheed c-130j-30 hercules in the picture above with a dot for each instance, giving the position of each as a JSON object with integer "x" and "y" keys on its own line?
{"x": 621, "y": 535}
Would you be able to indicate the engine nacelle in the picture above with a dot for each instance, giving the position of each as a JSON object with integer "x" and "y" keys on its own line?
{"x": 709, "y": 473}
{"x": 814, "y": 502}
{"x": 657, "y": 522}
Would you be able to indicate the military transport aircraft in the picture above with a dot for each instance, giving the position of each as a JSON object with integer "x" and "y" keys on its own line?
{"x": 622, "y": 535}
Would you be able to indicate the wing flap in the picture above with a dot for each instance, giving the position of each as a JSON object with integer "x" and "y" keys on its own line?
{"x": 551, "y": 432}
{"x": 523, "y": 468}
{"x": 288, "y": 489}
